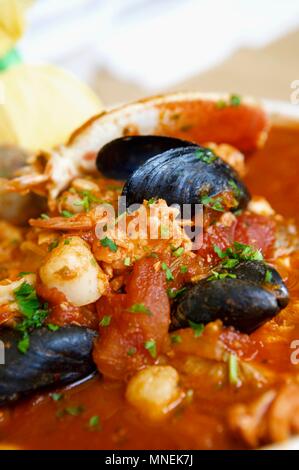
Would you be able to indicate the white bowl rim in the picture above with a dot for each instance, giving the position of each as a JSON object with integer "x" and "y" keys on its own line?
{"x": 282, "y": 109}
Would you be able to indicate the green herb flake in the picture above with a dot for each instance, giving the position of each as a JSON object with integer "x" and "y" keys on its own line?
{"x": 221, "y": 276}
{"x": 236, "y": 190}
{"x": 197, "y": 328}
{"x": 268, "y": 276}
{"x": 168, "y": 273}
{"x": 151, "y": 201}
{"x": 24, "y": 343}
{"x": 74, "y": 410}
{"x": 230, "y": 263}
{"x": 44, "y": 216}
{"x": 67, "y": 214}
{"x": 235, "y": 100}
{"x": 176, "y": 339}
{"x": 140, "y": 308}
{"x": 33, "y": 311}
{"x": 87, "y": 198}
{"x": 131, "y": 351}
{"x": 183, "y": 269}
{"x": 178, "y": 252}
{"x": 67, "y": 241}
{"x": 52, "y": 327}
{"x": 174, "y": 293}
{"x": 94, "y": 422}
{"x": 108, "y": 243}
{"x": 233, "y": 369}
{"x": 53, "y": 244}
{"x": 214, "y": 203}
{"x": 151, "y": 347}
{"x": 205, "y": 156}
{"x": 24, "y": 273}
{"x": 238, "y": 252}
{"x": 56, "y": 396}
{"x": 106, "y": 320}
{"x": 27, "y": 299}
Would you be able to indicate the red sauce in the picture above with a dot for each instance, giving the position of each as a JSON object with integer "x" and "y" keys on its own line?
{"x": 199, "y": 423}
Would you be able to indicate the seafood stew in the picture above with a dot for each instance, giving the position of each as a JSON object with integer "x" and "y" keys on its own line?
{"x": 115, "y": 339}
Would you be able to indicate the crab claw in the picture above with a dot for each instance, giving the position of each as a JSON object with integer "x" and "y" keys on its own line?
{"x": 192, "y": 116}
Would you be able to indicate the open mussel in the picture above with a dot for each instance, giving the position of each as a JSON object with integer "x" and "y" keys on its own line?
{"x": 54, "y": 358}
{"x": 244, "y": 297}
{"x": 121, "y": 157}
{"x": 185, "y": 175}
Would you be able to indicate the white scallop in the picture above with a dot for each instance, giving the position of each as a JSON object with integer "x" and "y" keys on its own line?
{"x": 72, "y": 269}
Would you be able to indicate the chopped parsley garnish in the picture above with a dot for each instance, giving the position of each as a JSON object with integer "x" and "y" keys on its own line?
{"x": 268, "y": 276}
{"x": 44, "y": 216}
{"x": 215, "y": 203}
{"x": 151, "y": 347}
{"x": 168, "y": 273}
{"x": 205, "y": 156}
{"x": 24, "y": 343}
{"x": 87, "y": 198}
{"x": 151, "y": 201}
{"x": 108, "y": 243}
{"x": 178, "y": 252}
{"x": 106, "y": 320}
{"x": 221, "y": 276}
{"x": 183, "y": 269}
{"x": 175, "y": 339}
{"x": 131, "y": 351}
{"x": 24, "y": 273}
{"x": 71, "y": 410}
{"x": 67, "y": 241}
{"x": 238, "y": 252}
{"x": 52, "y": 327}
{"x": 27, "y": 299}
{"x": 56, "y": 396}
{"x": 140, "y": 308}
{"x": 235, "y": 188}
{"x": 233, "y": 369}
{"x": 230, "y": 263}
{"x": 94, "y": 422}
{"x": 174, "y": 293}
{"x": 53, "y": 244}
{"x": 33, "y": 311}
{"x": 67, "y": 214}
{"x": 235, "y": 100}
{"x": 197, "y": 328}
{"x": 232, "y": 256}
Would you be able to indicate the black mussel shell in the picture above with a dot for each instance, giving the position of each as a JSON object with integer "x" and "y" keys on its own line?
{"x": 244, "y": 302}
{"x": 121, "y": 157}
{"x": 54, "y": 358}
{"x": 264, "y": 275}
{"x": 184, "y": 176}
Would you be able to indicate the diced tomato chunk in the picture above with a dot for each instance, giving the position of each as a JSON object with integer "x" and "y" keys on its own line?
{"x": 250, "y": 229}
{"x": 136, "y": 323}
{"x": 256, "y": 230}
{"x": 219, "y": 235}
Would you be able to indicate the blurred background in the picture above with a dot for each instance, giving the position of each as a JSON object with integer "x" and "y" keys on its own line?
{"x": 126, "y": 49}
